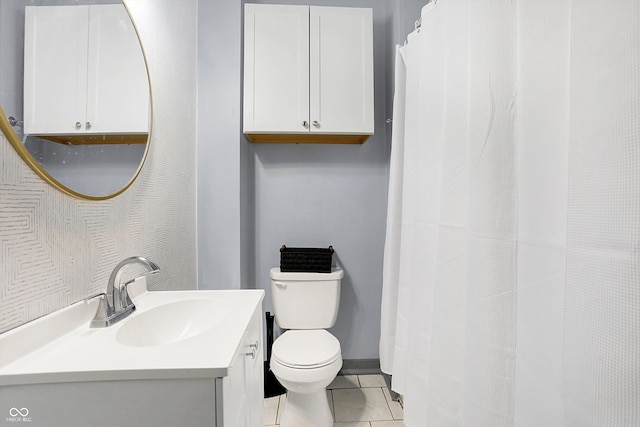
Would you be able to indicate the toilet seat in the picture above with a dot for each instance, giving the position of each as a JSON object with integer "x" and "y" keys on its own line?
{"x": 306, "y": 349}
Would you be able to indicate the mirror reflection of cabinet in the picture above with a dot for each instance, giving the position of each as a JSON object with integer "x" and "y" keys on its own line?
{"x": 85, "y": 76}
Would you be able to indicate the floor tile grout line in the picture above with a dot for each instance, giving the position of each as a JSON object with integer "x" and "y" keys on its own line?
{"x": 359, "y": 386}
{"x": 387, "y": 402}
{"x": 393, "y": 418}
{"x": 333, "y": 405}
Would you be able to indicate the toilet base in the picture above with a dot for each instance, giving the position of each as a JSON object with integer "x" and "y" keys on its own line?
{"x": 306, "y": 410}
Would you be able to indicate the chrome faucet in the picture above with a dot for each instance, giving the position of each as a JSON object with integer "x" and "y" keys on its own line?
{"x": 116, "y": 304}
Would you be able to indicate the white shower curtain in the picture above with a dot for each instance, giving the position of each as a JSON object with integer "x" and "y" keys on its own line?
{"x": 511, "y": 289}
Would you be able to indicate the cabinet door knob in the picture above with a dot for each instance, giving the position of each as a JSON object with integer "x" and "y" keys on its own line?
{"x": 305, "y": 124}
{"x": 254, "y": 349}
{"x": 88, "y": 125}
{"x": 78, "y": 125}
{"x": 316, "y": 123}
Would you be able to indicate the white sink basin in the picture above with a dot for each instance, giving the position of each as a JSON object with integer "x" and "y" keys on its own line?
{"x": 172, "y": 322}
{"x": 172, "y": 334}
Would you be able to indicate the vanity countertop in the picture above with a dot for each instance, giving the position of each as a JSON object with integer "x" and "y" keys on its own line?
{"x": 61, "y": 347}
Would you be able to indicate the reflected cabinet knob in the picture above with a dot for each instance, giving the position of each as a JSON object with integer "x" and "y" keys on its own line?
{"x": 316, "y": 123}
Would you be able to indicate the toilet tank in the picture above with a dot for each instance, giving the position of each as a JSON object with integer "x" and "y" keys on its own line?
{"x": 306, "y": 300}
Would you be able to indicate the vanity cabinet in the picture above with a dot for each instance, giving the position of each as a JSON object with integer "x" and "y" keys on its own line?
{"x": 84, "y": 72}
{"x": 197, "y": 362}
{"x": 308, "y": 74}
{"x": 242, "y": 391}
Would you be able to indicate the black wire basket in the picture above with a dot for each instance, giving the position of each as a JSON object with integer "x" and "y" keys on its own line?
{"x": 306, "y": 260}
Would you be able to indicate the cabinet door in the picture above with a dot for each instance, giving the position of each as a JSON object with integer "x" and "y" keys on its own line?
{"x": 118, "y": 87}
{"x": 341, "y": 81}
{"x": 276, "y": 68}
{"x": 55, "y": 76}
{"x": 234, "y": 394}
{"x": 255, "y": 370}
{"x": 243, "y": 388}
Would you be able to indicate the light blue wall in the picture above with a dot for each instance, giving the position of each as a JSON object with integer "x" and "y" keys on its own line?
{"x": 252, "y": 198}
{"x": 220, "y": 140}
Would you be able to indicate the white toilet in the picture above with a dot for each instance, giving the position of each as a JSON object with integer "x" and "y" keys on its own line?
{"x": 306, "y": 358}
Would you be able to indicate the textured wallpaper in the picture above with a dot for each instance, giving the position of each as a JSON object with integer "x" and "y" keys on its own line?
{"x": 55, "y": 249}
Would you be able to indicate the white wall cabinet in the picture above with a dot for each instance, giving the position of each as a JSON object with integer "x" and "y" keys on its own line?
{"x": 308, "y": 74}
{"x": 84, "y": 72}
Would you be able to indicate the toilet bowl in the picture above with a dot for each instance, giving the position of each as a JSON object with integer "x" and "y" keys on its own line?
{"x": 306, "y": 362}
{"x": 306, "y": 357}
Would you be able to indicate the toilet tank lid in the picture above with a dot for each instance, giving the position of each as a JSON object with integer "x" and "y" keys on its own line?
{"x": 336, "y": 274}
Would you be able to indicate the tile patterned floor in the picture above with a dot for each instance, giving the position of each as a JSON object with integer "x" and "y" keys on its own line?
{"x": 355, "y": 401}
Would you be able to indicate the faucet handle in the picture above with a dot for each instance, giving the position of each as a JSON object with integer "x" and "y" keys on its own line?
{"x": 103, "y": 312}
{"x": 90, "y": 297}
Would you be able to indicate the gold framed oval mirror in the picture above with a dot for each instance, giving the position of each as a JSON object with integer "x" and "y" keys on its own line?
{"x": 75, "y": 96}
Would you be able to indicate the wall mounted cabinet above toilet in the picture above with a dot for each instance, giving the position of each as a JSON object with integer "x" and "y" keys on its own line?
{"x": 308, "y": 74}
